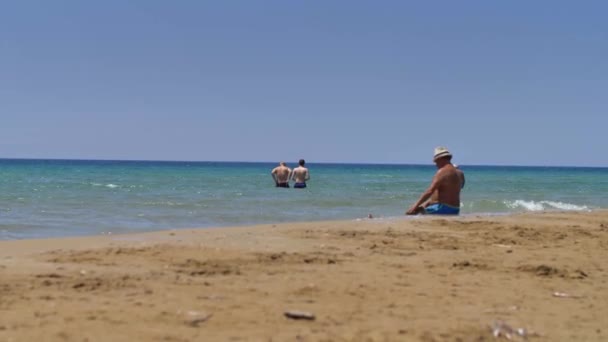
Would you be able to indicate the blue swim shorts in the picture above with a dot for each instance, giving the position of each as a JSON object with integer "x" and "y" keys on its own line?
{"x": 441, "y": 209}
{"x": 299, "y": 185}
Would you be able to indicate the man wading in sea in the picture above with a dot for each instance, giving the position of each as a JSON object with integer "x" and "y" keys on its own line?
{"x": 444, "y": 191}
{"x": 281, "y": 175}
{"x": 300, "y": 175}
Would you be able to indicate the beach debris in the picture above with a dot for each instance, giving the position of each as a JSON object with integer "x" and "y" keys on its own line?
{"x": 565, "y": 295}
{"x": 501, "y": 328}
{"x": 295, "y": 314}
{"x": 580, "y": 274}
{"x": 213, "y": 297}
{"x": 83, "y": 272}
{"x": 194, "y": 318}
{"x": 500, "y": 310}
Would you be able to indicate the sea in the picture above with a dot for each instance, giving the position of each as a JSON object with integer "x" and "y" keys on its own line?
{"x": 59, "y": 198}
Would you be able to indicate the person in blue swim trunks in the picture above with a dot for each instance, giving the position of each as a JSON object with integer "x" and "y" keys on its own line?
{"x": 300, "y": 175}
{"x": 444, "y": 191}
{"x": 441, "y": 209}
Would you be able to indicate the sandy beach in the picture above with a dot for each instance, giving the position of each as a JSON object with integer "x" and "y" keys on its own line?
{"x": 403, "y": 279}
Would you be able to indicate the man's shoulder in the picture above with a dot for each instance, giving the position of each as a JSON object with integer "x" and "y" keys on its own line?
{"x": 446, "y": 171}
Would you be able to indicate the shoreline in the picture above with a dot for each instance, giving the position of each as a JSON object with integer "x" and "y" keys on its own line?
{"x": 362, "y": 218}
{"x": 420, "y": 279}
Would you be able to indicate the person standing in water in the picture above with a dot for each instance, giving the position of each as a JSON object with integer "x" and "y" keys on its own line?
{"x": 444, "y": 191}
{"x": 300, "y": 175}
{"x": 281, "y": 175}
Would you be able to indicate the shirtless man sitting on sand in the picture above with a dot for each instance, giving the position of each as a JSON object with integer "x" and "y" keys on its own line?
{"x": 281, "y": 175}
{"x": 444, "y": 191}
{"x": 300, "y": 175}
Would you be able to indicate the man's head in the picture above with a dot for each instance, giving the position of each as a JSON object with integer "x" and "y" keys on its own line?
{"x": 442, "y": 156}
{"x": 302, "y": 162}
{"x": 282, "y": 163}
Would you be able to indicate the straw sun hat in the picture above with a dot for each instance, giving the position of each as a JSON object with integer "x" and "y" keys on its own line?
{"x": 441, "y": 152}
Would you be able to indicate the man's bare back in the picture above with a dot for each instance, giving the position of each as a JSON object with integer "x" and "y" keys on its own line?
{"x": 281, "y": 175}
{"x": 435, "y": 196}
{"x": 300, "y": 175}
{"x": 449, "y": 185}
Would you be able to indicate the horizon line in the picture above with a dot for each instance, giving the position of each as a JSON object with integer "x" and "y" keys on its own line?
{"x": 273, "y": 162}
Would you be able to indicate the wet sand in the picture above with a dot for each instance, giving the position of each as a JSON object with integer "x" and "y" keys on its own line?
{"x": 421, "y": 279}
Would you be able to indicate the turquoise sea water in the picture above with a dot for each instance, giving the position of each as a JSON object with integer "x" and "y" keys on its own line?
{"x": 48, "y": 198}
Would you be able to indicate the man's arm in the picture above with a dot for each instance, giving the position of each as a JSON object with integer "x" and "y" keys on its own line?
{"x": 293, "y": 174}
{"x": 273, "y": 173}
{"x": 425, "y": 195}
{"x": 307, "y": 176}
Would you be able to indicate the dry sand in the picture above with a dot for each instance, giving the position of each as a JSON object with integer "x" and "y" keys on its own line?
{"x": 422, "y": 279}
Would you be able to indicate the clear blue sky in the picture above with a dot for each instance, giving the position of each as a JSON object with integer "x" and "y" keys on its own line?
{"x": 498, "y": 82}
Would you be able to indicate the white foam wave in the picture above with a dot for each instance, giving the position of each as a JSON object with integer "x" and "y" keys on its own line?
{"x": 544, "y": 205}
{"x": 566, "y": 206}
{"x": 111, "y": 185}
